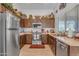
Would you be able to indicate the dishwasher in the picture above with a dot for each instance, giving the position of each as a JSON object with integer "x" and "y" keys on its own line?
{"x": 61, "y": 49}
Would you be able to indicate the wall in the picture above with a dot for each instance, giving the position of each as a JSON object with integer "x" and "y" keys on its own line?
{"x": 65, "y": 14}
{"x": 35, "y": 8}
{"x": 28, "y": 30}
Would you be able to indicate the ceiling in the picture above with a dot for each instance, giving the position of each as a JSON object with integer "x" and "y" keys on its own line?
{"x": 35, "y": 8}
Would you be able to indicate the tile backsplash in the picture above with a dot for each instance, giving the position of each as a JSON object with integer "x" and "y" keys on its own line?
{"x": 30, "y": 29}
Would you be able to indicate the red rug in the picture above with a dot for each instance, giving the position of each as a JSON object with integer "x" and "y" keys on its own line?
{"x": 37, "y": 46}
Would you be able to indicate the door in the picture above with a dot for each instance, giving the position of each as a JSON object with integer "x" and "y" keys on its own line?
{"x": 12, "y": 43}
{"x": 12, "y": 35}
{"x": 11, "y": 21}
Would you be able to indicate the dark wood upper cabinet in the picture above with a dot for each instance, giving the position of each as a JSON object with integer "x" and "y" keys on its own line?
{"x": 2, "y": 9}
{"x": 23, "y": 23}
{"x": 46, "y": 23}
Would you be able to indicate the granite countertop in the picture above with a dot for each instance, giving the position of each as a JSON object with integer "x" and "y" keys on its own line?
{"x": 68, "y": 41}
{"x": 24, "y": 33}
{"x": 31, "y": 33}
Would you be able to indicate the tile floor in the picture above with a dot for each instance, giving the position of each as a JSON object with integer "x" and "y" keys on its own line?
{"x": 26, "y": 51}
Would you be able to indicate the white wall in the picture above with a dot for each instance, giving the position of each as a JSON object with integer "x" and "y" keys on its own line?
{"x": 35, "y": 8}
{"x": 62, "y": 12}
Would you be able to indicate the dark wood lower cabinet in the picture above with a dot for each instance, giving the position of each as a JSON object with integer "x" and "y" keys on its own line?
{"x": 29, "y": 38}
{"x": 25, "y": 39}
{"x": 52, "y": 43}
{"x": 22, "y": 40}
{"x": 44, "y": 39}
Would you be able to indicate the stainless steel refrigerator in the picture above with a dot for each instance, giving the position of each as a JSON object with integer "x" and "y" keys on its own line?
{"x": 9, "y": 35}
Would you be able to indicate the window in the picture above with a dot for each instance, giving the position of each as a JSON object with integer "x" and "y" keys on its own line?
{"x": 71, "y": 24}
{"x": 61, "y": 26}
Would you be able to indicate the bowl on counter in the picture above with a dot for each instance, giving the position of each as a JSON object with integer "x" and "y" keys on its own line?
{"x": 77, "y": 36}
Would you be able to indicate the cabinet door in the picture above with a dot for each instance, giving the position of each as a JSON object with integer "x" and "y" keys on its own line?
{"x": 74, "y": 50}
{"x": 44, "y": 38}
{"x": 52, "y": 44}
{"x": 23, "y": 23}
{"x": 49, "y": 40}
{"x": 22, "y": 40}
{"x": 29, "y": 38}
{"x": 29, "y": 23}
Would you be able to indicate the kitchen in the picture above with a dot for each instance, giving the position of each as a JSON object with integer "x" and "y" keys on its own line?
{"x": 39, "y": 29}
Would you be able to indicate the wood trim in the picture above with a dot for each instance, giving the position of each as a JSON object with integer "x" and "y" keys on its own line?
{"x": 55, "y": 46}
{"x": 10, "y": 10}
{"x": 2, "y": 9}
{"x": 29, "y": 43}
{"x": 68, "y": 50}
